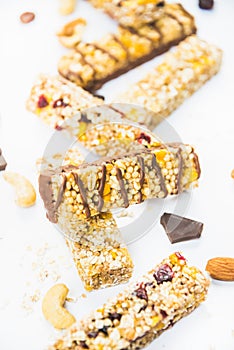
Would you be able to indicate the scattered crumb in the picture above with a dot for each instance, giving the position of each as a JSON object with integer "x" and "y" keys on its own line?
{"x": 42, "y": 265}
{"x": 83, "y": 295}
{"x": 125, "y": 213}
{"x": 232, "y": 174}
{"x": 72, "y": 299}
{"x": 29, "y": 299}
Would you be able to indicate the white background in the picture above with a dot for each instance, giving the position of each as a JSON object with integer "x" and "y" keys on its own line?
{"x": 206, "y": 120}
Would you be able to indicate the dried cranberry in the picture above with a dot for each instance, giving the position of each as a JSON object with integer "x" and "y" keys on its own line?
{"x": 93, "y": 334}
{"x": 179, "y": 256}
{"x": 141, "y": 292}
{"x": 58, "y": 127}
{"x": 83, "y": 344}
{"x": 42, "y": 102}
{"x": 206, "y": 4}
{"x": 60, "y": 103}
{"x": 163, "y": 313}
{"x": 142, "y": 137}
{"x": 114, "y": 316}
{"x": 164, "y": 274}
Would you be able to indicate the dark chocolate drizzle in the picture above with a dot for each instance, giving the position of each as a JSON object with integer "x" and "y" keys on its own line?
{"x": 84, "y": 118}
{"x": 101, "y": 189}
{"x": 142, "y": 176}
{"x": 158, "y": 170}
{"x": 81, "y": 187}
{"x": 106, "y": 52}
{"x": 180, "y": 170}
{"x": 122, "y": 187}
{"x": 122, "y": 45}
{"x": 170, "y": 15}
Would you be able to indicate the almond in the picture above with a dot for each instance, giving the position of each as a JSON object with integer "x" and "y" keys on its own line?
{"x": 221, "y": 268}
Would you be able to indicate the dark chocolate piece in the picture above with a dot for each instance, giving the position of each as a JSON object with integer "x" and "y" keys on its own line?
{"x": 3, "y": 162}
{"x": 179, "y": 229}
{"x": 206, "y": 4}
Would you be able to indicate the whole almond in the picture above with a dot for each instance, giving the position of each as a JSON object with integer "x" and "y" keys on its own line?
{"x": 221, "y": 268}
{"x": 27, "y": 17}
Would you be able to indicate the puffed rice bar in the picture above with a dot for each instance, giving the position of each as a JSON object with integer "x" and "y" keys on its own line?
{"x": 74, "y": 193}
{"x": 97, "y": 247}
{"x": 182, "y": 72}
{"x": 90, "y": 65}
{"x": 99, "y": 252}
{"x": 144, "y": 310}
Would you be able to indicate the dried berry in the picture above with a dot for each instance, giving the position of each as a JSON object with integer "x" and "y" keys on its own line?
{"x": 60, "y": 103}
{"x": 27, "y": 17}
{"x": 93, "y": 334}
{"x": 103, "y": 330}
{"x": 163, "y": 313}
{"x": 141, "y": 292}
{"x": 142, "y": 137}
{"x": 42, "y": 102}
{"x": 164, "y": 274}
{"x": 179, "y": 256}
{"x": 206, "y": 4}
{"x": 58, "y": 127}
{"x": 83, "y": 344}
{"x": 114, "y": 316}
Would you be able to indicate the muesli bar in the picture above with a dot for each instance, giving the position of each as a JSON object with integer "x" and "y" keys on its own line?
{"x": 144, "y": 310}
{"x": 97, "y": 246}
{"x": 99, "y": 252}
{"x": 73, "y": 193}
{"x": 182, "y": 72}
{"x": 56, "y": 101}
{"x": 131, "y": 13}
{"x": 92, "y": 64}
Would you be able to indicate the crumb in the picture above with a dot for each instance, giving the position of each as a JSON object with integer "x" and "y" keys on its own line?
{"x": 124, "y": 214}
{"x": 232, "y": 174}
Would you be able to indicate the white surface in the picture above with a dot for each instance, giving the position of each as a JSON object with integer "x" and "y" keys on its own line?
{"x": 205, "y": 120}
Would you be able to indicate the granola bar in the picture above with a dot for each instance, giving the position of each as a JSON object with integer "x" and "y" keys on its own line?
{"x": 97, "y": 247}
{"x": 182, "y": 72}
{"x": 65, "y": 106}
{"x": 99, "y": 252}
{"x": 56, "y": 101}
{"x": 92, "y": 64}
{"x": 138, "y": 13}
{"x": 74, "y": 193}
{"x": 144, "y": 310}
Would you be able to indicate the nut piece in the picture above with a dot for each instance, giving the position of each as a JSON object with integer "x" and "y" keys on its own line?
{"x": 25, "y": 192}
{"x": 71, "y": 34}
{"x": 27, "y": 17}
{"x": 53, "y": 309}
{"x": 221, "y": 268}
{"x": 66, "y": 7}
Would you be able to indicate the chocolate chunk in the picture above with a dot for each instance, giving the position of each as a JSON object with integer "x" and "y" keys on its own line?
{"x": 3, "y": 162}
{"x": 179, "y": 229}
{"x": 206, "y": 4}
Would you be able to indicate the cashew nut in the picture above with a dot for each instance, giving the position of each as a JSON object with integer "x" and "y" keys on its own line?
{"x": 25, "y": 192}
{"x": 71, "y": 33}
{"x": 66, "y": 7}
{"x": 53, "y": 307}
